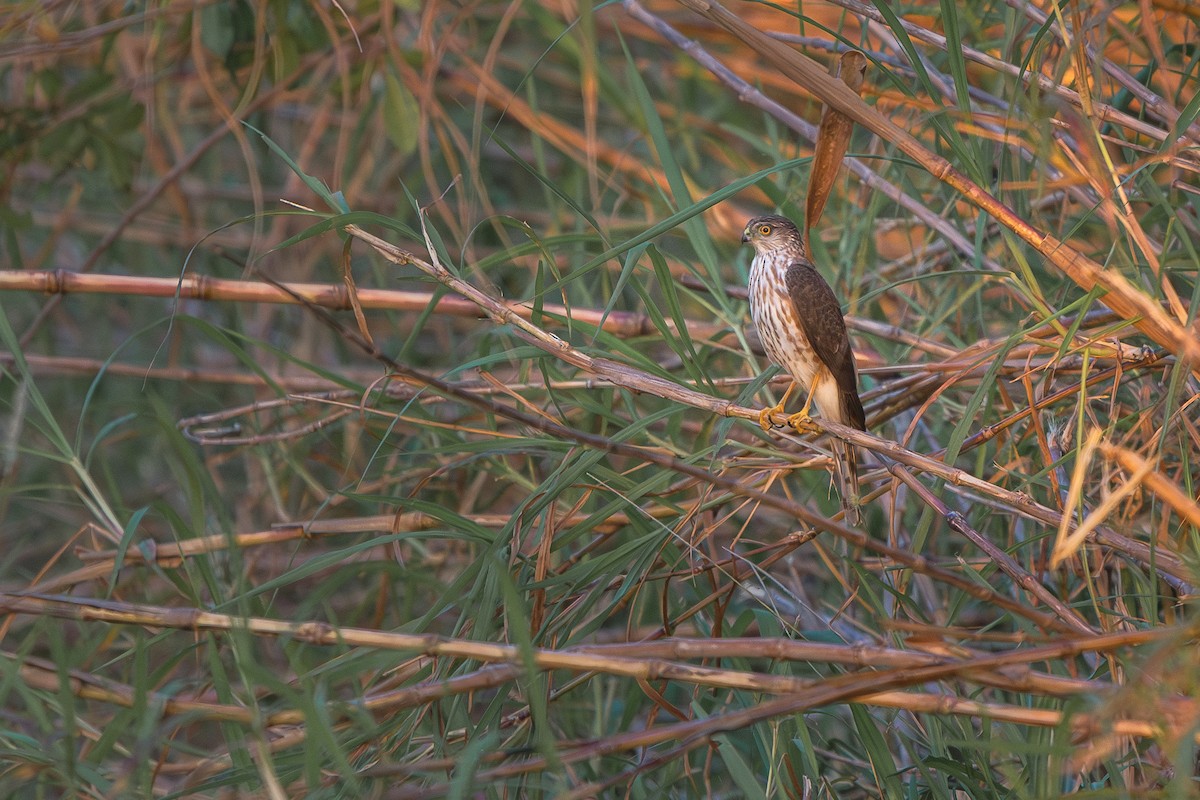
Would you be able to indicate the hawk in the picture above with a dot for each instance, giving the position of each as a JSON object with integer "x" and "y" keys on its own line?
{"x": 802, "y": 330}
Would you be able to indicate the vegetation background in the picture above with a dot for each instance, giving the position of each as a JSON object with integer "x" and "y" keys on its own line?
{"x": 493, "y": 518}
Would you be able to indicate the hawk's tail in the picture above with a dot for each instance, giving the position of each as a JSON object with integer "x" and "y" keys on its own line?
{"x": 845, "y": 456}
{"x": 852, "y": 410}
{"x": 845, "y": 464}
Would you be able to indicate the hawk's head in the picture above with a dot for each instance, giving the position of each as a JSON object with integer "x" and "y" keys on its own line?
{"x": 771, "y": 233}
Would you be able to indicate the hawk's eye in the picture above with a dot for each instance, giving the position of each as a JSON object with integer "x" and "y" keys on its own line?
{"x": 765, "y": 230}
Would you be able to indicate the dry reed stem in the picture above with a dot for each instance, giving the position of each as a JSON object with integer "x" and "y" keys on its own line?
{"x": 655, "y": 660}
{"x": 335, "y": 296}
{"x": 623, "y": 324}
{"x": 846, "y": 688}
{"x": 590, "y": 659}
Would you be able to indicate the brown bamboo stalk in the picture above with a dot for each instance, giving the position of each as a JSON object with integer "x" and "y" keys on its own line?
{"x": 335, "y": 296}
{"x": 848, "y": 688}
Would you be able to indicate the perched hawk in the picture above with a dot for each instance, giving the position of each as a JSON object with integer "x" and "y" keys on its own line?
{"x": 802, "y": 330}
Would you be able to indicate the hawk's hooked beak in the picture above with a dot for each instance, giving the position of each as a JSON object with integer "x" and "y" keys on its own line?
{"x": 745, "y": 235}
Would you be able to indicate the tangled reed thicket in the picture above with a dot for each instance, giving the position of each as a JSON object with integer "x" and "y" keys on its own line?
{"x": 388, "y": 428}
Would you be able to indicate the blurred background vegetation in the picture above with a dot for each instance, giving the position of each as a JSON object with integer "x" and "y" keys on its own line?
{"x": 418, "y": 548}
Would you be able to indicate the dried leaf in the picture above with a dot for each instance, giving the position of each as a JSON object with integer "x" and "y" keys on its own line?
{"x": 832, "y": 140}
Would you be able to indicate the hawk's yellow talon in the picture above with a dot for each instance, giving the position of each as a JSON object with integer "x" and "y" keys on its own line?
{"x": 801, "y": 422}
{"x": 764, "y": 416}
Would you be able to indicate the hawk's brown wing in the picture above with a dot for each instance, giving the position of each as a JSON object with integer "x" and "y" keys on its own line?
{"x": 821, "y": 317}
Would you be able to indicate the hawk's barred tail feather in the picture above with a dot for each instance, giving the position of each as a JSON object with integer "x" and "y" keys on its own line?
{"x": 845, "y": 456}
{"x": 845, "y": 464}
